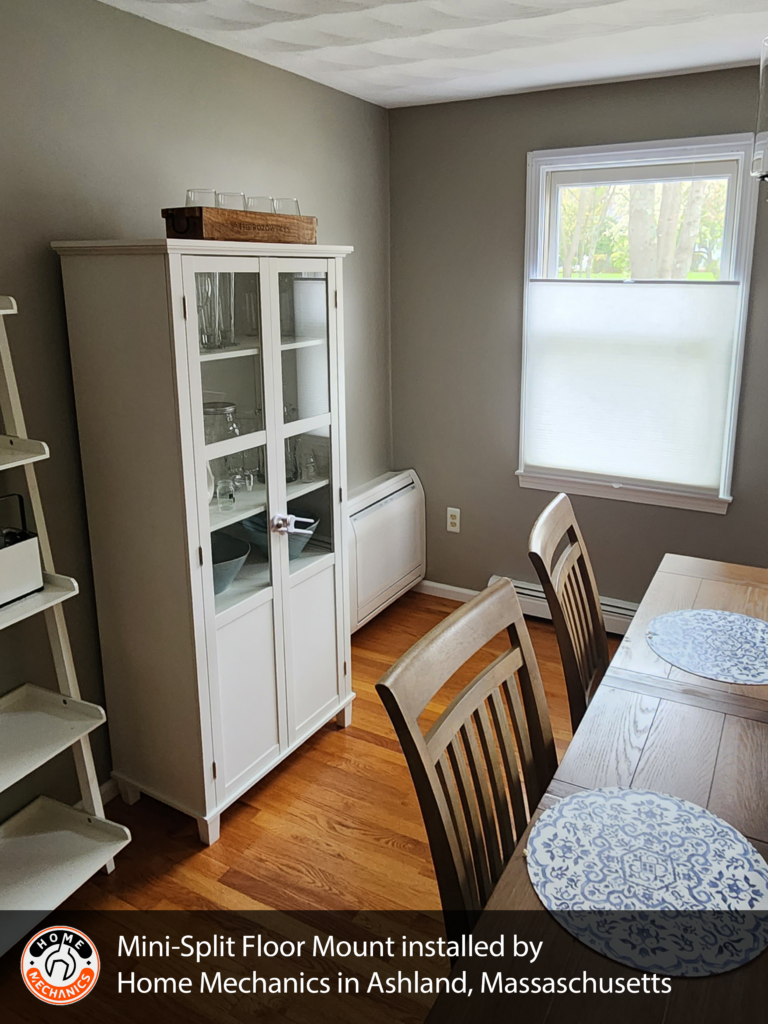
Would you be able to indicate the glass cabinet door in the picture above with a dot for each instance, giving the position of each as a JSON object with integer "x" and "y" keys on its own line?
{"x": 229, "y": 331}
{"x": 229, "y": 335}
{"x": 238, "y": 515}
{"x": 302, "y": 293}
{"x": 304, "y": 365}
{"x": 228, "y": 311}
{"x": 308, "y": 479}
{"x": 304, "y": 344}
{"x": 261, "y": 348}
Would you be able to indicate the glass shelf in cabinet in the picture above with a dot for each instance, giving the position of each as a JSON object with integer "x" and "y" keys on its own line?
{"x": 312, "y": 553}
{"x": 247, "y": 504}
{"x": 209, "y": 355}
{"x": 298, "y": 488}
{"x": 252, "y": 580}
{"x": 291, "y": 344}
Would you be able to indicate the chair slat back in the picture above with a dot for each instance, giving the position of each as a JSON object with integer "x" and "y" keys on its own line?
{"x": 559, "y": 555}
{"x": 482, "y": 767}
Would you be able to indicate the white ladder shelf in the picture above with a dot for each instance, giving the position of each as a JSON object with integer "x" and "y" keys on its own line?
{"x": 47, "y": 850}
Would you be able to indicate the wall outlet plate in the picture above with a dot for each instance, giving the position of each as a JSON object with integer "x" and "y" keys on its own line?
{"x": 453, "y": 521}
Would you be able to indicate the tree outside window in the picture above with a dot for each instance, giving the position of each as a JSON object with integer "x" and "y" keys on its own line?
{"x": 645, "y": 230}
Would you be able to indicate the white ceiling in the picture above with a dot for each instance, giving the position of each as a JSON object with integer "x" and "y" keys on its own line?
{"x": 403, "y": 52}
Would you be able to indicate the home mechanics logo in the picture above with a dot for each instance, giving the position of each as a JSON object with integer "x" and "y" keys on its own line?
{"x": 60, "y": 965}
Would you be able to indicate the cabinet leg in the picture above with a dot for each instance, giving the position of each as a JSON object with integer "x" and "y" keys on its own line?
{"x": 208, "y": 829}
{"x": 344, "y": 717}
{"x": 109, "y": 867}
{"x": 129, "y": 793}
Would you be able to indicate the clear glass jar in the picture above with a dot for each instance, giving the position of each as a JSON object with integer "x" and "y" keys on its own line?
{"x": 219, "y": 421}
{"x": 307, "y": 467}
{"x": 225, "y": 495}
{"x": 291, "y": 459}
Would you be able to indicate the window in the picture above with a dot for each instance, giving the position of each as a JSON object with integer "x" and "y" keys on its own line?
{"x": 638, "y": 262}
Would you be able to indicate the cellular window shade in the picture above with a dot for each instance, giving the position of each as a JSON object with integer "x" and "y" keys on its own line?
{"x": 630, "y": 381}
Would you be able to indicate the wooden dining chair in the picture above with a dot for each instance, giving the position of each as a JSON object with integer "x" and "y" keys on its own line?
{"x": 559, "y": 555}
{"x": 465, "y": 767}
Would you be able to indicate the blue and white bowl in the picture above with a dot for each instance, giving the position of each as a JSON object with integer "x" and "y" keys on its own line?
{"x": 229, "y": 555}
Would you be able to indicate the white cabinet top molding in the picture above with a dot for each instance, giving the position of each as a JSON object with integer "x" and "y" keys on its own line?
{"x": 197, "y": 247}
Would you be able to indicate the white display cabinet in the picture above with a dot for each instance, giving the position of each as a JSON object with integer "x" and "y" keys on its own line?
{"x": 209, "y": 389}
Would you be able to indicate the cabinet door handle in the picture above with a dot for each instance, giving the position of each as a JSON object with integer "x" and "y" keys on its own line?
{"x": 287, "y": 524}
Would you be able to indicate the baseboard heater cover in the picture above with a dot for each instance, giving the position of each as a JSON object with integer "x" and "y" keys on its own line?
{"x": 386, "y": 543}
{"x": 617, "y": 614}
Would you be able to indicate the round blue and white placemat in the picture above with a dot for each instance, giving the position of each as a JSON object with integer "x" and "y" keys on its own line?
{"x": 651, "y": 881}
{"x": 726, "y": 646}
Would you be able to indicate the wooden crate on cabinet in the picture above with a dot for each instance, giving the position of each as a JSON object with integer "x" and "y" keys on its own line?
{"x": 209, "y": 389}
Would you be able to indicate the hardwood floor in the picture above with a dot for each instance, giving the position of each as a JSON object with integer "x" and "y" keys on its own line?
{"x": 336, "y": 826}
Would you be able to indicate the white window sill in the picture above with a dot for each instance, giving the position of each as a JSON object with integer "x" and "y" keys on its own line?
{"x": 700, "y": 501}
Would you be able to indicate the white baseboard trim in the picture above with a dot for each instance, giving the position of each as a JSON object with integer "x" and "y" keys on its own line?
{"x": 108, "y": 792}
{"x": 617, "y": 614}
{"x": 445, "y": 590}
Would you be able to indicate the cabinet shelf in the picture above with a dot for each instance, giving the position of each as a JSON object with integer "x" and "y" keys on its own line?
{"x": 48, "y": 850}
{"x": 229, "y": 353}
{"x": 55, "y": 590}
{"x": 37, "y": 724}
{"x": 20, "y": 451}
{"x": 253, "y": 578}
{"x": 290, "y": 346}
{"x": 312, "y": 553}
{"x": 299, "y": 488}
{"x": 250, "y": 503}
{"x": 247, "y": 504}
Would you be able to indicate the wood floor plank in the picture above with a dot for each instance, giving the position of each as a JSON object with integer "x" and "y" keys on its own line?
{"x": 348, "y": 832}
{"x": 741, "y": 777}
{"x": 356, "y": 807}
{"x": 360, "y": 862}
{"x": 680, "y": 754}
{"x": 335, "y": 826}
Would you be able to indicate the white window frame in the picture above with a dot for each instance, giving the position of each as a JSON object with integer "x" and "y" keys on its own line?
{"x": 547, "y": 169}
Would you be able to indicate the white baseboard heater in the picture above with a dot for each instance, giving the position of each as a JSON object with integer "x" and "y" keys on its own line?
{"x": 387, "y": 543}
{"x": 617, "y": 614}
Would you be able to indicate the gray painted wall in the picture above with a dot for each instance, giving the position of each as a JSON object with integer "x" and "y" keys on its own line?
{"x": 104, "y": 119}
{"x": 458, "y": 218}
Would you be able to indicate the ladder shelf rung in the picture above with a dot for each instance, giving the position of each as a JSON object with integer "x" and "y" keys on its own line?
{"x": 48, "y": 850}
{"x": 36, "y": 725}
{"x": 20, "y": 451}
{"x": 55, "y": 590}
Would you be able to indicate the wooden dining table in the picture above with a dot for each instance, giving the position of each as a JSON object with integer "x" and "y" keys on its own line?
{"x": 653, "y": 726}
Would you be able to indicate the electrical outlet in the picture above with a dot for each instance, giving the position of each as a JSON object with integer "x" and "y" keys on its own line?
{"x": 453, "y": 523}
